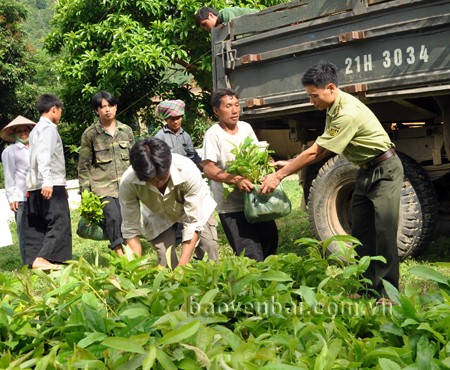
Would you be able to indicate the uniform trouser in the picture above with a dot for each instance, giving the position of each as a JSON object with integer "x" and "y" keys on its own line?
{"x": 207, "y": 242}
{"x": 48, "y": 232}
{"x": 20, "y": 222}
{"x": 375, "y": 214}
{"x": 257, "y": 240}
{"x": 113, "y": 221}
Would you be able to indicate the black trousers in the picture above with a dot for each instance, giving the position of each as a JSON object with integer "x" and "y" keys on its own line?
{"x": 48, "y": 232}
{"x": 257, "y": 240}
{"x": 113, "y": 222}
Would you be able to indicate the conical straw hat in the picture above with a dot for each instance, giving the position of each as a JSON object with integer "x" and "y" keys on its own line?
{"x": 7, "y": 133}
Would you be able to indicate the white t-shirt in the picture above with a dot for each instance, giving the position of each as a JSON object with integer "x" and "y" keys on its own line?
{"x": 217, "y": 146}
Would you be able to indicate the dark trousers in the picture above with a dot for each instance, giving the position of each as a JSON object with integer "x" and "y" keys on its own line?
{"x": 113, "y": 221}
{"x": 48, "y": 232}
{"x": 257, "y": 240}
{"x": 20, "y": 222}
{"x": 375, "y": 213}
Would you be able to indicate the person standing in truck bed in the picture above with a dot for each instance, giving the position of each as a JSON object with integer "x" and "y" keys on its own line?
{"x": 208, "y": 18}
{"x": 352, "y": 129}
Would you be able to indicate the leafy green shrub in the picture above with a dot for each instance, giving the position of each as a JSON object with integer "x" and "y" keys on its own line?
{"x": 284, "y": 313}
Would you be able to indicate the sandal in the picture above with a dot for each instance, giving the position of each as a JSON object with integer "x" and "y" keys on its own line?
{"x": 385, "y": 302}
{"x": 48, "y": 268}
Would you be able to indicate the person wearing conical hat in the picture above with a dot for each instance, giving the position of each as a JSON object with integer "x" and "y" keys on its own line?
{"x": 171, "y": 113}
{"x": 16, "y": 164}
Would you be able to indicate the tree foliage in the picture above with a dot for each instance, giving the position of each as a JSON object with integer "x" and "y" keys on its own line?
{"x": 15, "y": 56}
{"x": 134, "y": 49}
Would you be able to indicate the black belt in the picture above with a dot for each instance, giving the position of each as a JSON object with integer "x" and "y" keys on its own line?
{"x": 377, "y": 160}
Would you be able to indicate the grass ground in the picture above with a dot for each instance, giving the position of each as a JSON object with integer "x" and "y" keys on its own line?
{"x": 291, "y": 228}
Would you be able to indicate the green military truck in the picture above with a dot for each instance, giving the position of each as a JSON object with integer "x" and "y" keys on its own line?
{"x": 394, "y": 55}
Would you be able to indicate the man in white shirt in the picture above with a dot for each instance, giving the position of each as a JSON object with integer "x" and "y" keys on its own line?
{"x": 171, "y": 188}
{"x": 257, "y": 240}
{"x": 16, "y": 163}
{"x": 48, "y": 234}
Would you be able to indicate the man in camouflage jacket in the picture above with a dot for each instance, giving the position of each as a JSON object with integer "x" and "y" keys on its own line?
{"x": 103, "y": 158}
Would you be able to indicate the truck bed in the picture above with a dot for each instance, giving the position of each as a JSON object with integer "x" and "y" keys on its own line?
{"x": 395, "y": 55}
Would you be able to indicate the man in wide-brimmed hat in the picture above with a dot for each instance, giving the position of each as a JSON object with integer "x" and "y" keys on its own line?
{"x": 16, "y": 163}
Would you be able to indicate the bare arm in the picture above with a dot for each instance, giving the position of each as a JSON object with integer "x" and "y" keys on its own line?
{"x": 213, "y": 172}
{"x": 311, "y": 155}
{"x": 187, "y": 249}
{"x": 134, "y": 244}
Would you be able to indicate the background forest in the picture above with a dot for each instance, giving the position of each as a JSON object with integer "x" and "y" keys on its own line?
{"x": 140, "y": 51}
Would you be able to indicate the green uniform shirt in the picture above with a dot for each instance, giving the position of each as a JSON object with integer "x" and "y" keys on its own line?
{"x": 351, "y": 128}
{"x": 227, "y": 14}
{"x": 103, "y": 158}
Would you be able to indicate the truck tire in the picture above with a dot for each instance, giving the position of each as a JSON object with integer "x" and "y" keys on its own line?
{"x": 329, "y": 204}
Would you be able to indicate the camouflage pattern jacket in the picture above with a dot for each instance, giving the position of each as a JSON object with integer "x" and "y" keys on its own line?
{"x": 104, "y": 158}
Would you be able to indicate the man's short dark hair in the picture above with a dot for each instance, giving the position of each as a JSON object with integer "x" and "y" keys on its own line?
{"x": 219, "y": 94}
{"x": 98, "y": 97}
{"x": 46, "y": 102}
{"x": 320, "y": 75}
{"x": 150, "y": 158}
{"x": 203, "y": 13}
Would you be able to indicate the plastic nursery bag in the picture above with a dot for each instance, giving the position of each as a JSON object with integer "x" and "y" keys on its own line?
{"x": 268, "y": 207}
{"x": 88, "y": 230}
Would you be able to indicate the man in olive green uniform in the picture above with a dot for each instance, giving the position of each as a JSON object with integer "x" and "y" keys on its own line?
{"x": 352, "y": 129}
{"x": 208, "y": 18}
{"x": 103, "y": 158}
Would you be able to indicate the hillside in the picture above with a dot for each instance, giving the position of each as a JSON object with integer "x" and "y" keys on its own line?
{"x": 37, "y": 24}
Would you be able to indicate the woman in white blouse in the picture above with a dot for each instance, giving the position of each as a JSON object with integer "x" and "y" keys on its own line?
{"x": 16, "y": 163}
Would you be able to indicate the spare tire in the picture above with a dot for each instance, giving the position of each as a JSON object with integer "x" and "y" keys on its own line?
{"x": 329, "y": 204}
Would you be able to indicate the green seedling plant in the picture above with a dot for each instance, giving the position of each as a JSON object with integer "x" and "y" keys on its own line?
{"x": 91, "y": 207}
{"x": 287, "y": 312}
{"x": 251, "y": 161}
